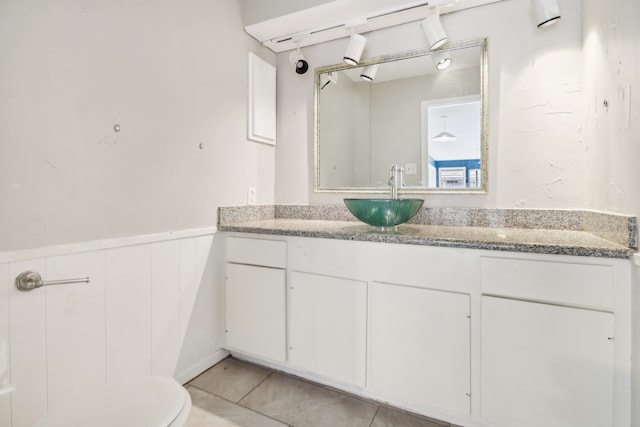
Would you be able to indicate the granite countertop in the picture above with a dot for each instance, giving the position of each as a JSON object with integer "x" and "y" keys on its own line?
{"x": 567, "y": 241}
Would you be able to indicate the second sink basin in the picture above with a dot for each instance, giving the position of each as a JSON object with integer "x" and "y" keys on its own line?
{"x": 384, "y": 212}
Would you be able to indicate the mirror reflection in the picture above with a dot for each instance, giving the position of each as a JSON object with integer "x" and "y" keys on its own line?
{"x": 422, "y": 110}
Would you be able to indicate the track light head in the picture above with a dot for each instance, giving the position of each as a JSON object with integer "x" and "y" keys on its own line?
{"x": 546, "y": 12}
{"x": 298, "y": 62}
{"x": 332, "y": 77}
{"x": 368, "y": 73}
{"x": 433, "y": 31}
{"x": 441, "y": 60}
{"x": 354, "y": 50}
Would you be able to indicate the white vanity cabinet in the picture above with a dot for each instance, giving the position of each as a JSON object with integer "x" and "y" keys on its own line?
{"x": 549, "y": 355}
{"x": 255, "y": 297}
{"x": 419, "y": 346}
{"x": 327, "y": 326}
{"x": 472, "y": 337}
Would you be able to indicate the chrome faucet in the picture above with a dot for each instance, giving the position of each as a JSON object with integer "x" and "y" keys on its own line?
{"x": 395, "y": 179}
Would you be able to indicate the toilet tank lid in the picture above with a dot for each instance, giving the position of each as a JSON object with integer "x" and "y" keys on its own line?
{"x": 140, "y": 402}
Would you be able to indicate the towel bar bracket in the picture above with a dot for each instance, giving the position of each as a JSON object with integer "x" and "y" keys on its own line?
{"x": 30, "y": 280}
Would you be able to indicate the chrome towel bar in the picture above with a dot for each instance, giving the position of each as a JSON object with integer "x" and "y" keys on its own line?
{"x": 29, "y": 280}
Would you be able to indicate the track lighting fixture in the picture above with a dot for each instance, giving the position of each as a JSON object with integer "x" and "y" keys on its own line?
{"x": 355, "y": 49}
{"x": 298, "y": 61}
{"x": 332, "y": 77}
{"x": 546, "y": 12}
{"x": 441, "y": 60}
{"x": 368, "y": 73}
{"x": 433, "y": 31}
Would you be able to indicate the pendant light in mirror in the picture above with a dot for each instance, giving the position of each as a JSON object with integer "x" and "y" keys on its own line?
{"x": 444, "y": 136}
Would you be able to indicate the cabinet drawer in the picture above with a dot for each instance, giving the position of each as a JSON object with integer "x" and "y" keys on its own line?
{"x": 589, "y": 285}
{"x": 268, "y": 253}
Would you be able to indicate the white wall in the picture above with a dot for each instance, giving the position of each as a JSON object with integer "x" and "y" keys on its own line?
{"x": 537, "y": 152}
{"x": 259, "y": 10}
{"x": 173, "y": 75}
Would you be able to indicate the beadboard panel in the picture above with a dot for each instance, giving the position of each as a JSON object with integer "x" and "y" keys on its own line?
{"x": 150, "y": 308}
{"x": 75, "y": 325}
{"x": 165, "y": 314}
{"x": 5, "y": 377}
{"x": 199, "y": 326}
{"x": 128, "y": 312}
{"x": 188, "y": 283}
{"x": 28, "y": 347}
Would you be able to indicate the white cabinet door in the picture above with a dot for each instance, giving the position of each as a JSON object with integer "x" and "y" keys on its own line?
{"x": 546, "y": 365}
{"x": 419, "y": 346}
{"x": 255, "y": 311}
{"x": 328, "y": 326}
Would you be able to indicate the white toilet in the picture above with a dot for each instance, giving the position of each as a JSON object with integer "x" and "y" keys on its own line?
{"x": 142, "y": 402}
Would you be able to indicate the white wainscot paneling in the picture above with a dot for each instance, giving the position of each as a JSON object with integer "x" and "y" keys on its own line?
{"x": 199, "y": 323}
{"x": 150, "y": 308}
{"x": 75, "y": 325}
{"x": 128, "y": 312}
{"x": 28, "y": 347}
{"x": 165, "y": 309}
{"x": 5, "y": 377}
{"x": 184, "y": 326}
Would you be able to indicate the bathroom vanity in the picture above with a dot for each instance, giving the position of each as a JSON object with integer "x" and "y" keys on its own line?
{"x": 478, "y": 334}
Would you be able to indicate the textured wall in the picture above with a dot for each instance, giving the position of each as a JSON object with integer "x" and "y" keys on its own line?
{"x": 612, "y": 77}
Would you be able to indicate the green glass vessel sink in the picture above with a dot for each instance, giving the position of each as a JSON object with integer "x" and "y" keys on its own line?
{"x": 384, "y": 212}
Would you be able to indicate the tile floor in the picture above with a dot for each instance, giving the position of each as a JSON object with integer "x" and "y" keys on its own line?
{"x": 235, "y": 393}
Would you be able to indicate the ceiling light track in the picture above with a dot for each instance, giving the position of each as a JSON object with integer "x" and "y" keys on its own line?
{"x": 375, "y": 20}
{"x": 350, "y": 24}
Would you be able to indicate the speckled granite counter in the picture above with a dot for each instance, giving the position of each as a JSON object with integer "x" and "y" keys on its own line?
{"x": 581, "y": 233}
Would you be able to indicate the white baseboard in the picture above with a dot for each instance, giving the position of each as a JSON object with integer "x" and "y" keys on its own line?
{"x": 198, "y": 368}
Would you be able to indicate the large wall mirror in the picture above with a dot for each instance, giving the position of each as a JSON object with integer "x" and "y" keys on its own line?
{"x": 425, "y": 111}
